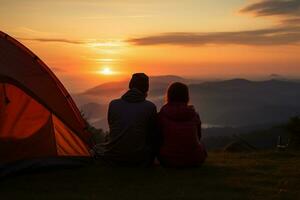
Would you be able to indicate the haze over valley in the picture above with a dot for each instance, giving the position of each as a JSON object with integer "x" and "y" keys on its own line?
{"x": 233, "y": 103}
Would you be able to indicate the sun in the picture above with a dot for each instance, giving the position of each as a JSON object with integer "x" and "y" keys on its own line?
{"x": 106, "y": 71}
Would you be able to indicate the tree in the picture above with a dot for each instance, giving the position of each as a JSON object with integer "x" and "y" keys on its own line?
{"x": 98, "y": 135}
{"x": 293, "y": 127}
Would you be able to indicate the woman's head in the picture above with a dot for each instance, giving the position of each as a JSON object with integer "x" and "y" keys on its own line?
{"x": 178, "y": 93}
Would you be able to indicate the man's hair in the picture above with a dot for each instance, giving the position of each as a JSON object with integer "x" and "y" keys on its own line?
{"x": 139, "y": 81}
{"x": 178, "y": 93}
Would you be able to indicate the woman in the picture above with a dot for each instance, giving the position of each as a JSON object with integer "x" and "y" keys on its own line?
{"x": 180, "y": 127}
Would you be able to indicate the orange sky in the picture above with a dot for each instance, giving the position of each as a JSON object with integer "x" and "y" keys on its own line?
{"x": 201, "y": 39}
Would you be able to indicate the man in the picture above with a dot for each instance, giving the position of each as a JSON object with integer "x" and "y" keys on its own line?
{"x": 132, "y": 139}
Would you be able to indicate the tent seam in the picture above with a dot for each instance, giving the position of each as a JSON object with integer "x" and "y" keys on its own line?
{"x": 53, "y": 133}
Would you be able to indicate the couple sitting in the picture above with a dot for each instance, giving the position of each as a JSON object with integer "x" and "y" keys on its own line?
{"x": 138, "y": 134}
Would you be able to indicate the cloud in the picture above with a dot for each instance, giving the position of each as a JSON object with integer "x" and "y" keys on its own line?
{"x": 29, "y": 34}
{"x": 288, "y": 12}
{"x": 117, "y": 17}
{"x": 103, "y": 44}
{"x": 60, "y": 40}
{"x": 269, "y": 36}
{"x": 273, "y": 7}
{"x": 291, "y": 21}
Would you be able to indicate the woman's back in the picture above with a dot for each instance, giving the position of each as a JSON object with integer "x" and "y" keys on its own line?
{"x": 181, "y": 133}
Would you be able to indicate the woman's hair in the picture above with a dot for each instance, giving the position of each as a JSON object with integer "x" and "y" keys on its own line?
{"x": 178, "y": 92}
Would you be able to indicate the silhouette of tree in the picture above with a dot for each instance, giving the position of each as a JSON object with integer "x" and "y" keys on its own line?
{"x": 98, "y": 135}
{"x": 293, "y": 127}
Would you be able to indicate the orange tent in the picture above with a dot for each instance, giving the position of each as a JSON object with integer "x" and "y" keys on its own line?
{"x": 38, "y": 118}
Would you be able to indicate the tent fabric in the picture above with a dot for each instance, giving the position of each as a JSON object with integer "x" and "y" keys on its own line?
{"x": 39, "y": 145}
{"x": 38, "y": 118}
{"x": 22, "y": 116}
{"x": 23, "y": 67}
{"x": 67, "y": 142}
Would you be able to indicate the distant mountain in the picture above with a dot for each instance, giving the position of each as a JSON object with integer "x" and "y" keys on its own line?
{"x": 104, "y": 93}
{"x": 241, "y": 102}
{"x": 156, "y": 82}
{"x": 94, "y": 102}
{"x": 94, "y": 110}
{"x": 277, "y": 77}
{"x": 236, "y": 102}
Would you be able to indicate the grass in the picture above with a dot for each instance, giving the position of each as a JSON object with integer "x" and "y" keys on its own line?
{"x": 260, "y": 175}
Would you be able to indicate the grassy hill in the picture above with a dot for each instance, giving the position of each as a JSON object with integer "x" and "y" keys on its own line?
{"x": 260, "y": 175}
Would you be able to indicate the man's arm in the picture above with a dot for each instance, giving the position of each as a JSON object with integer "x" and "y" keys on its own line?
{"x": 199, "y": 128}
{"x": 154, "y": 137}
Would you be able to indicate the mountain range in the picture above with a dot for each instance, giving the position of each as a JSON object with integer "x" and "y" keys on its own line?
{"x": 235, "y": 102}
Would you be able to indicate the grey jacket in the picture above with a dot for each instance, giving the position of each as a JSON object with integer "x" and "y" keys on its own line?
{"x": 133, "y": 134}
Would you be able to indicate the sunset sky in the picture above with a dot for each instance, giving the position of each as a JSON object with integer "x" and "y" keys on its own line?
{"x": 87, "y": 42}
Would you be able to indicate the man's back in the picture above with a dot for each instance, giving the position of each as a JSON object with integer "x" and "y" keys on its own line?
{"x": 132, "y": 123}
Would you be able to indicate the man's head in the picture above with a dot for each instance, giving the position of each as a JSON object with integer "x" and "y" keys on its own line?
{"x": 139, "y": 81}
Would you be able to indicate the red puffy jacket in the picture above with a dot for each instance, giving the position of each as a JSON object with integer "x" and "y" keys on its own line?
{"x": 180, "y": 127}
